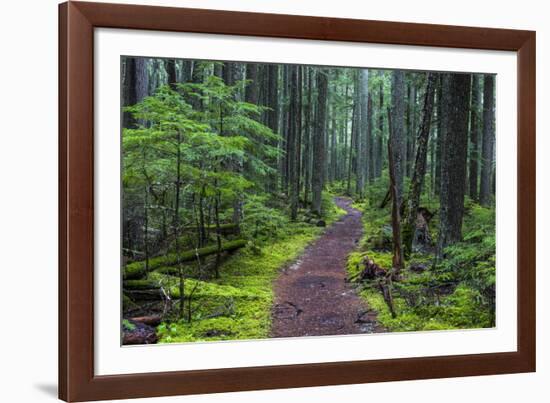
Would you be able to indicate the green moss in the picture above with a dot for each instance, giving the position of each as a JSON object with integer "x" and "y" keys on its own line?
{"x": 457, "y": 293}
{"x": 127, "y": 325}
{"x": 136, "y": 270}
{"x": 238, "y": 304}
{"x": 128, "y": 303}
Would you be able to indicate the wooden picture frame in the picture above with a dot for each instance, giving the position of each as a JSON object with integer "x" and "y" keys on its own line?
{"x": 77, "y": 21}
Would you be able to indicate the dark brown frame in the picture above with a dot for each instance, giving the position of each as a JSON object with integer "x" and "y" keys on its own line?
{"x": 77, "y": 21}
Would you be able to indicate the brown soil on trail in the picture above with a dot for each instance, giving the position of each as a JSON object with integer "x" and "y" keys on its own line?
{"x": 312, "y": 297}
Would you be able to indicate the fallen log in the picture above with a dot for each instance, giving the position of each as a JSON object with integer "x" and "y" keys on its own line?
{"x": 140, "y": 284}
{"x": 208, "y": 266}
{"x": 153, "y": 294}
{"x": 136, "y": 270}
{"x": 152, "y": 320}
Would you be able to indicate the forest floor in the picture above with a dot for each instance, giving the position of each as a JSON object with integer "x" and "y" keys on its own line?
{"x": 312, "y": 295}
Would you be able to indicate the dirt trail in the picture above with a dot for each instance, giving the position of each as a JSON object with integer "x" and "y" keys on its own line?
{"x": 312, "y": 297}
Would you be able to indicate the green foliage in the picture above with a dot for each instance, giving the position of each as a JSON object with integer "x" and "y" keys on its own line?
{"x": 127, "y": 325}
{"x": 137, "y": 269}
{"x": 456, "y": 292}
{"x": 261, "y": 221}
{"x": 194, "y": 152}
{"x": 238, "y": 304}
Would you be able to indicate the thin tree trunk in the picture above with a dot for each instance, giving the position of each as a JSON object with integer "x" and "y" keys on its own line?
{"x": 352, "y": 146}
{"x": 440, "y": 135}
{"x": 363, "y": 162}
{"x": 291, "y": 141}
{"x": 419, "y": 164}
{"x": 176, "y": 224}
{"x": 397, "y": 258}
{"x": 474, "y": 137}
{"x": 397, "y": 133}
{"x": 370, "y": 141}
{"x": 319, "y": 143}
{"x": 488, "y": 140}
{"x": 308, "y": 139}
{"x": 380, "y": 136}
{"x": 218, "y": 233}
{"x": 251, "y": 91}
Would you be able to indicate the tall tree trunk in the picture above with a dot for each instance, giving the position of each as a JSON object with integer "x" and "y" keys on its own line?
{"x": 456, "y": 102}
{"x": 170, "y": 65}
{"x": 408, "y": 129}
{"x": 142, "y": 78}
{"x": 135, "y": 86}
{"x": 397, "y": 133}
{"x": 371, "y": 155}
{"x": 176, "y": 223}
{"x": 360, "y": 134}
{"x": 285, "y": 129}
{"x": 411, "y": 139}
{"x": 308, "y": 134}
{"x": 487, "y": 149}
{"x": 380, "y": 136}
{"x": 440, "y": 135}
{"x": 319, "y": 143}
{"x": 217, "y": 199}
{"x": 474, "y": 137}
{"x": 298, "y": 134}
{"x": 346, "y": 134}
{"x": 419, "y": 164}
{"x": 434, "y": 141}
{"x": 291, "y": 141}
{"x": 397, "y": 258}
{"x": 363, "y": 171}
{"x": 228, "y": 73}
{"x": 187, "y": 71}
{"x": 251, "y": 91}
{"x": 272, "y": 116}
{"x": 352, "y": 145}
{"x": 231, "y": 74}
{"x": 333, "y": 146}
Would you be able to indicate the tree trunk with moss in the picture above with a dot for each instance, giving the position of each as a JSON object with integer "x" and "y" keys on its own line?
{"x": 456, "y": 102}
{"x": 419, "y": 164}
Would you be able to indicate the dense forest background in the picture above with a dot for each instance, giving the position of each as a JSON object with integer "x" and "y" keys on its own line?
{"x": 231, "y": 169}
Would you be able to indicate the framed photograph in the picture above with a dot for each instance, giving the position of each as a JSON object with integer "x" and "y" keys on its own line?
{"x": 256, "y": 201}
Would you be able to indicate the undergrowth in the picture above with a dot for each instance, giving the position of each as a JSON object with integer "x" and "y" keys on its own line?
{"x": 238, "y": 304}
{"x": 456, "y": 292}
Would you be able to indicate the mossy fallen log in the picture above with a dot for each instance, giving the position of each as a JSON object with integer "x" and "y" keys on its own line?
{"x": 151, "y": 320}
{"x": 136, "y": 270}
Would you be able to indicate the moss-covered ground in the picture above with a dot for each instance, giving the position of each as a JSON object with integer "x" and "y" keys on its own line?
{"x": 457, "y": 292}
{"x": 237, "y": 305}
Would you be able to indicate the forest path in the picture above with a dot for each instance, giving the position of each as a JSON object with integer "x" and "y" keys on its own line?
{"x": 312, "y": 297}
